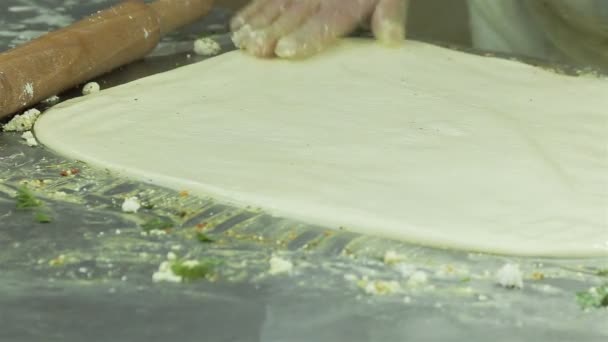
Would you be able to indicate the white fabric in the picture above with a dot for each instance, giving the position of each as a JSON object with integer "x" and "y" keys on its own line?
{"x": 508, "y": 26}
{"x": 505, "y": 26}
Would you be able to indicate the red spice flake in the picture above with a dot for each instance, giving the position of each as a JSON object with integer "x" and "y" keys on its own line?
{"x": 201, "y": 226}
{"x": 184, "y": 194}
{"x": 71, "y": 172}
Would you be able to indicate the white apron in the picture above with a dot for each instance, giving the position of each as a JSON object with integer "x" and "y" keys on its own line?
{"x": 559, "y": 30}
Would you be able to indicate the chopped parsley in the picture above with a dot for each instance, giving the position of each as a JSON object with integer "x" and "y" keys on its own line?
{"x": 602, "y": 273}
{"x": 42, "y": 217}
{"x": 147, "y": 205}
{"x": 26, "y": 199}
{"x": 157, "y": 224}
{"x": 594, "y": 298}
{"x": 204, "y": 238}
{"x": 191, "y": 270}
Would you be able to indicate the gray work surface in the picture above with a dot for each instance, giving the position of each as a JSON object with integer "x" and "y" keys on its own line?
{"x": 87, "y": 276}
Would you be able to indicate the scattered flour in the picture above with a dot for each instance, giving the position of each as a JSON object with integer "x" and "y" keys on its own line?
{"x": 29, "y": 89}
{"x": 418, "y": 278}
{"x": 23, "y": 122}
{"x": 510, "y": 276}
{"x": 279, "y": 265}
{"x": 131, "y": 205}
{"x": 379, "y": 287}
{"x": 207, "y": 47}
{"x": 451, "y": 271}
{"x": 91, "y": 88}
{"x": 19, "y": 9}
{"x": 405, "y": 270}
{"x": 29, "y": 138}
{"x": 392, "y": 258}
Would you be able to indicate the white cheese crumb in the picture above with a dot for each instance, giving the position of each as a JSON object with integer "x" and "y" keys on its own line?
{"x": 155, "y": 232}
{"x": 29, "y": 138}
{"x": 53, "y": 100}
{"x": 379, "y": 287}
{"x": 207, "y": 47}
{"x": 165, "y": 273}
{"x": 131, "y": 205}
{"x": 417, "y": 278}
{"x": 91, "y": 88}
{"x": 510, "y": 276}
{"x": 350, "y": 277}
{"x": 279, "y": 265}
{"x": 23, "y": 122}
{"x": 171, "y": 256}
{"x": 392, "y": 257}
{"x": 405, "y": 270}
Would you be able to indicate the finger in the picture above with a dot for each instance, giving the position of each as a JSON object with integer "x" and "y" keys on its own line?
{"x": 263, "y": 42}
{"x": 269, "y": 13}
{"x": 389, "y": 20}
{"x": 334, "y": 19}
{"x": 241, "y": 37}
{"x": 241, "y": 18}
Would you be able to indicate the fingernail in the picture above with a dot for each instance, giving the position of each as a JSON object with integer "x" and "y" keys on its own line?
{"x": 286, "y": 48}
{"x": 259, "y": 43}
{"x": 258, "y": 37}
{"x": 240, "y": 37}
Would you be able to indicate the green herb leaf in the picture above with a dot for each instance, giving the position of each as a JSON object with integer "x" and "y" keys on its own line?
{"x": 596, "y": 297}
{"x": 194, "y": 269}
{"x": 26, "y": 199}
{"x": 157, "y": 224}
{"x": 147, "y": 205}
{"x": 204, "y": 238}
{"x": 42, "y": 217}
{"x": 602, "y": 273}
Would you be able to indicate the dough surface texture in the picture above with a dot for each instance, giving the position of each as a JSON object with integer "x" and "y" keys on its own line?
{"x": 418, "y": 143}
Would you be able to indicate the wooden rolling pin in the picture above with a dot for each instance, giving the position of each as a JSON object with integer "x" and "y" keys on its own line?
{"x": 91, "y": 47}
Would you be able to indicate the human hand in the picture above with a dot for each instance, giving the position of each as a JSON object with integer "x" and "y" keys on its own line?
{"x": 301, "y": 28}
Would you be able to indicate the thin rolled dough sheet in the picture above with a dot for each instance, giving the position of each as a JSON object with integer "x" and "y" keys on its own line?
{"x": 418, "y": 143}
